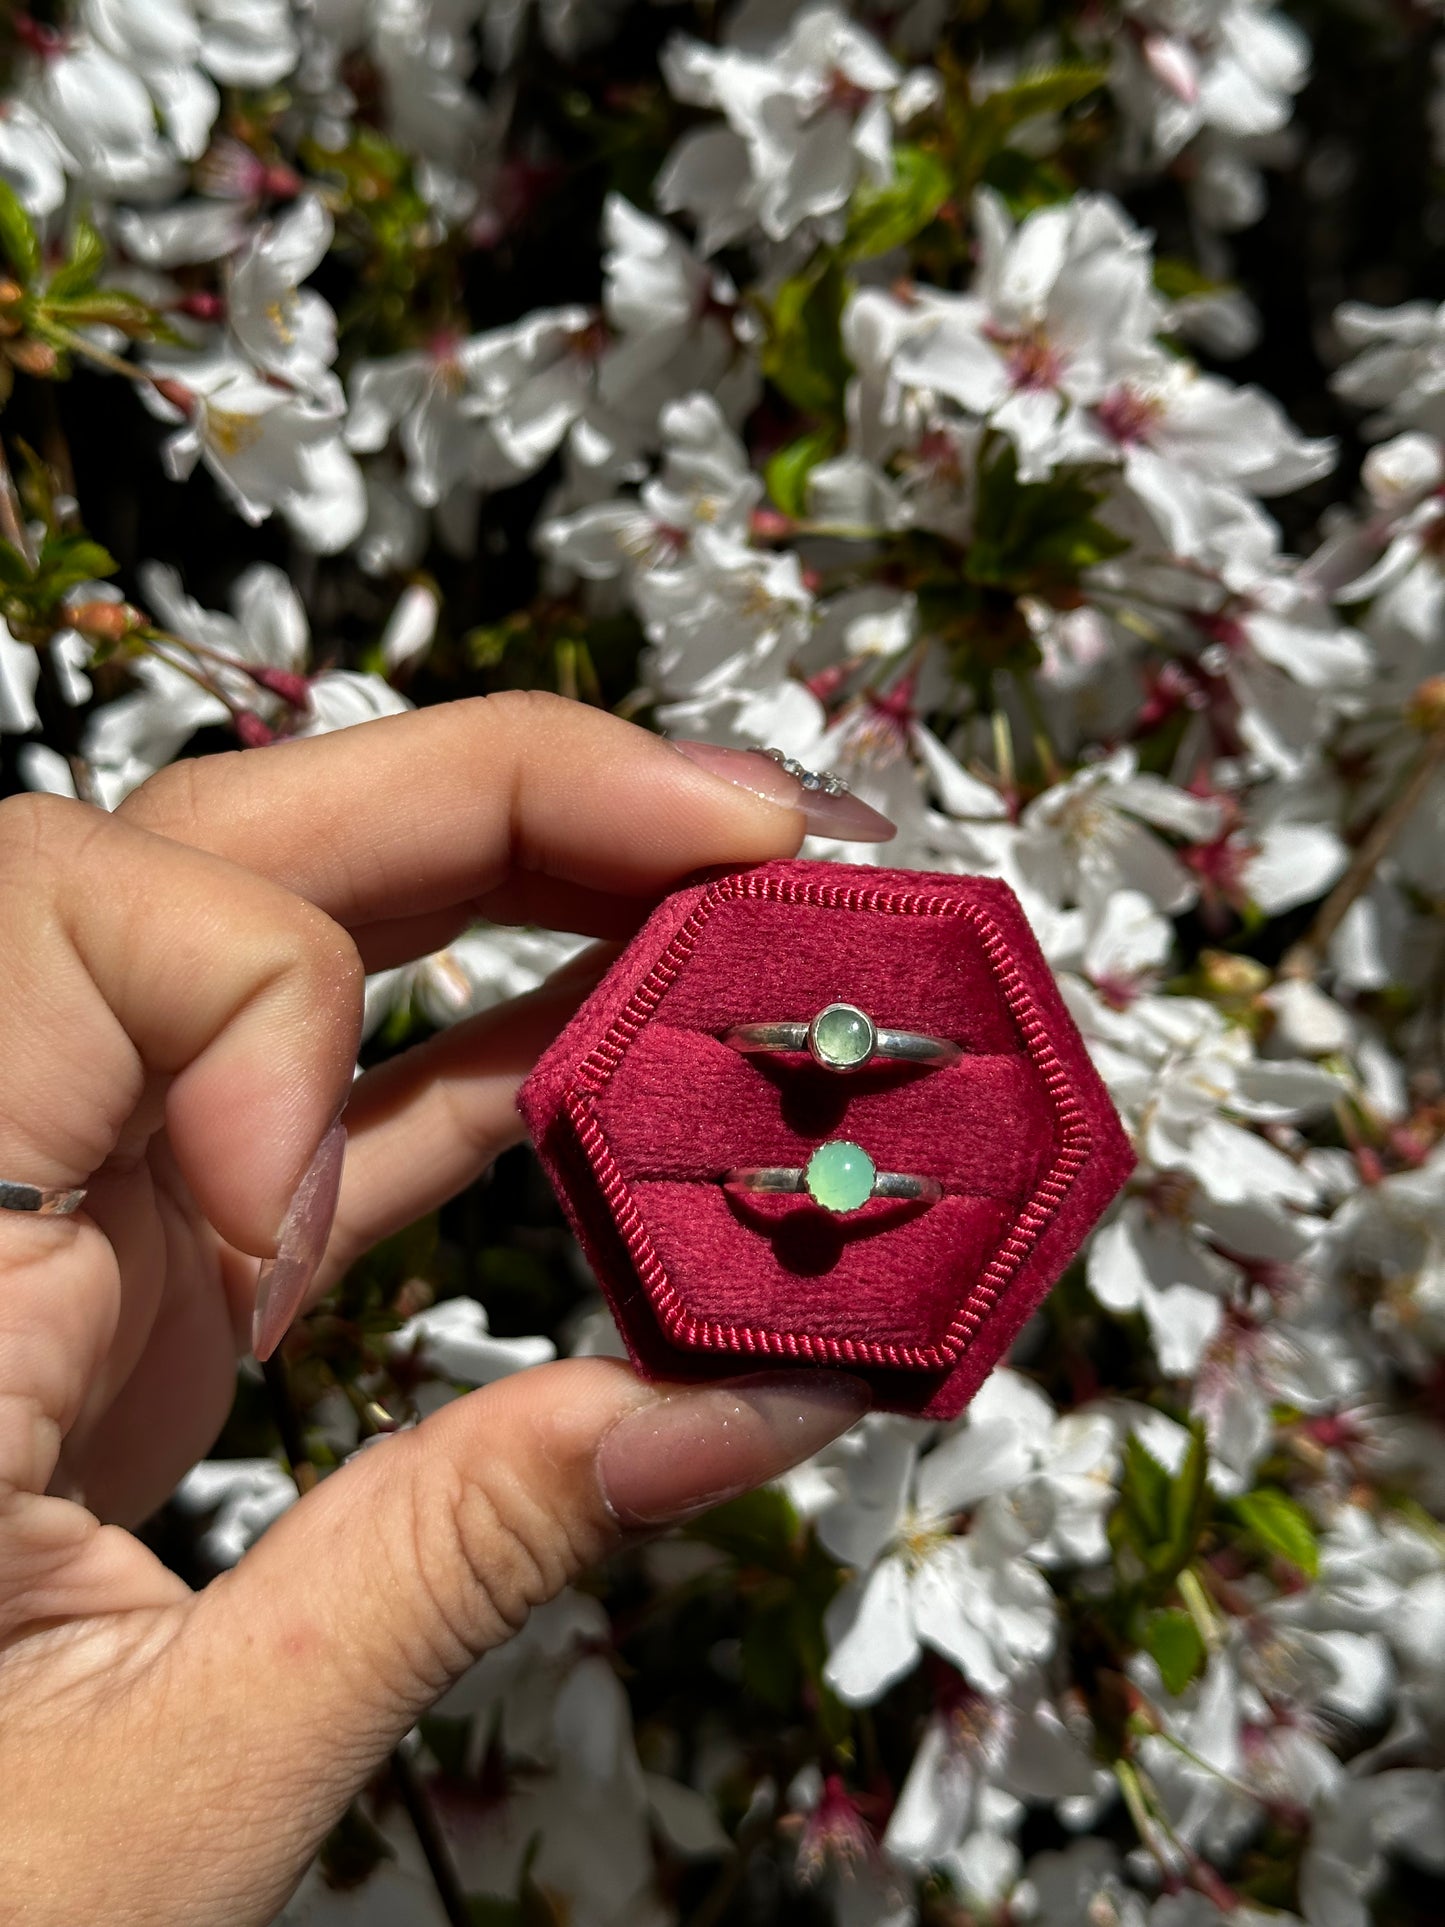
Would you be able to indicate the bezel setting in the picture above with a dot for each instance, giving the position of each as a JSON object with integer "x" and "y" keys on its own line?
{"x": 816, "y": 1176}
{"x": 818, "y": 1052}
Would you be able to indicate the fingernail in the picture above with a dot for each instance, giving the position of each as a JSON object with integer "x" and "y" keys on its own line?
{"x": 847, "y": 818}
{"x": 694, "y": 1449}
{"x": 282, "y": 1282}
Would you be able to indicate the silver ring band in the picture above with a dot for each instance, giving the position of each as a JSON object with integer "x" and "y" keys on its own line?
{"x": 840, "y": 1176}
{"x": 783, "y": 1178}
{"x": 842, "y": 1038}
{"x": 36, "y": 1199}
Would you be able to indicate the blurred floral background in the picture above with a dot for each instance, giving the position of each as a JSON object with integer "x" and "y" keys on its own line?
{"x": 1034, "y": 414}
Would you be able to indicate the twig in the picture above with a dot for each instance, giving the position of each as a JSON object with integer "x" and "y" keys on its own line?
{"x": 751, "y": 1835}
{"x": 1048, "y": 756}
{"x": 12, "y": 522}
{"x": 1133, "y": 1792}
{"x": 1303, "y": 959}
{"x": 408, "y": 1785}
{"x": 431, "y": 1840}
{"x": 287, "y": 1421}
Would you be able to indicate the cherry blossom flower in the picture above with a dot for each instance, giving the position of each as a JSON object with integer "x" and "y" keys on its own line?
{"x": 1086, "y": 838}
{"x": 1034, "y": 1488}
{"x": 267, "y": 447}
{"x": 285, "y": 332}
{"x": 806, "y": 118}
{"x": 478, "y": 412}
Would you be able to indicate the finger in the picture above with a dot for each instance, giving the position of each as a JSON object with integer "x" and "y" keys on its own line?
{"x": 146, "y": 984}
{"x": 365, "y": 1601}
{"x": 427, "y": 1123}
{"x": 422, "y": 1127}
{"x": 520, "y": 902}
{"x": 491, "y": 804}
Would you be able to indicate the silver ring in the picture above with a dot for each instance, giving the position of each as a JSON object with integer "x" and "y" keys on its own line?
{"x": 840, "y": 1176}
{"x": 35, "y": 1198}
{"x": 811, "y": 779}
{"x": 843, "y": 1038}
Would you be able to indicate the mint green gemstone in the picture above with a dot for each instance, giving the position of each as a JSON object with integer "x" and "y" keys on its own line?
{"x": 842, "y": 1037}
{"x": 840, "y": 1176}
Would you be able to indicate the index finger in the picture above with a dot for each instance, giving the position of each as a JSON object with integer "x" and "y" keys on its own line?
{"x": 519, "y": 806}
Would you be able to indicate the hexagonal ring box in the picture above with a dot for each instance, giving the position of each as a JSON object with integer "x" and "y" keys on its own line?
{"x": 642, "y": 1112}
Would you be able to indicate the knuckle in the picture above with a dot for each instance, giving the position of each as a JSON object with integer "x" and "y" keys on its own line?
{"x": 484, "y": 1550}
{"x": 324, "y": 954}
{"x": 174, "y": 801}
{"x": 36, "y": 827}
{"x": 526, "y": 710}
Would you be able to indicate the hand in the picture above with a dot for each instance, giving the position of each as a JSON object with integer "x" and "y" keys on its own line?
{"x": 183, "y": 985}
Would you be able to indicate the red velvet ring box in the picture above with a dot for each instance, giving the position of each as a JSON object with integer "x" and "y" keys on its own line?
{"x": 638, "y": 1110}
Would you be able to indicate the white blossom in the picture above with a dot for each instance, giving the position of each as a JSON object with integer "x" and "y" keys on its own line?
{"x": 804, "y": 122}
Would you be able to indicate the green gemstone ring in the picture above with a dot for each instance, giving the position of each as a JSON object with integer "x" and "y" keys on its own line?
{"x": 842, "y": 1038}
{"x": 839, "y": 1176}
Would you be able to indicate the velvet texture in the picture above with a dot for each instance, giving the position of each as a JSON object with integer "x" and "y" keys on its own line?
{"x": 637, "y": 1110}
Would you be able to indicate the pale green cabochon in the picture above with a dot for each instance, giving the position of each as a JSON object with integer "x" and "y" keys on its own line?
{"x": 842, "y": 1037}
{"x": 840, "y": 1176}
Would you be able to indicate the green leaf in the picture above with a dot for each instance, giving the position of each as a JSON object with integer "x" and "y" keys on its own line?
{"x": 1160, "y": 1515}
{"x": 101, "y": 307}
{"x": 87, "y": 257}
{"x": 1188, "y": 1504}
{"x": 803, "y": 355}
{"x": 788, "y": 471}
{"x": 759, "y": 1529}
{"x": 1281, "y": 1525}
{"x": 1030, "y": 537}
{"x": 984, "y": 126}
{"x": 888, "y": 217}
{"x": 1176, "y": 278}
{"x": 18, "y": 239}
{"x": 77, "y": 555}
{"x": 487, "y": 644}
{"x": 1172, "y": 1641}
{"x": 1025, "y": 181}
{"x": 14, "y": 569}
{"x": 66, "y": 561}
{"x": 1144, "y": 1490}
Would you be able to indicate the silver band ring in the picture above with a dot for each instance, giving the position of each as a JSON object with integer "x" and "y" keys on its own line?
{"x": 811, "y": 779}
{"x": 843, "y": 1038}
{"x": 36, "y": 1199}
{"x": 840, "y": 1176}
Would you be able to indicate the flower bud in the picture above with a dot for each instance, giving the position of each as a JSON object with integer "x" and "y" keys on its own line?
{"x": 284, "y": 683}
{"x": 104, "y": 621}
{"x": 176, "y": 393}
{"x": 36, "y": 358}
{"x": 202, "y": 304}
{"x": 770, "y": 525}
{"x": 1426, "y": 708}
{"x": 1229, "y": 976}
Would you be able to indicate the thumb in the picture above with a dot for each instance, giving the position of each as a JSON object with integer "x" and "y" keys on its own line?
{"x": 367, "y": 1600}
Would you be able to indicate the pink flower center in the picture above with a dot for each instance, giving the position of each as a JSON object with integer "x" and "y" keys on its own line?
{"x": 1228, "y": 631}
{"x": 1127, "y": 416}
{"x": 845, "y": 96}
{"x": 1033, "y": 362}
{"x": 938, "y": 452}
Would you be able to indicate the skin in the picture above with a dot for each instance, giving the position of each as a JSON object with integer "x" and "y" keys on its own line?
{"x": 182, "y": 1011}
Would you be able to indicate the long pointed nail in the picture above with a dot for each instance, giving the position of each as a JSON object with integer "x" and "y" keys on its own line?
{"x": 283, "y": 1281}
{"x": 694, "y": 1449}
{"x": 846, "y": 818}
